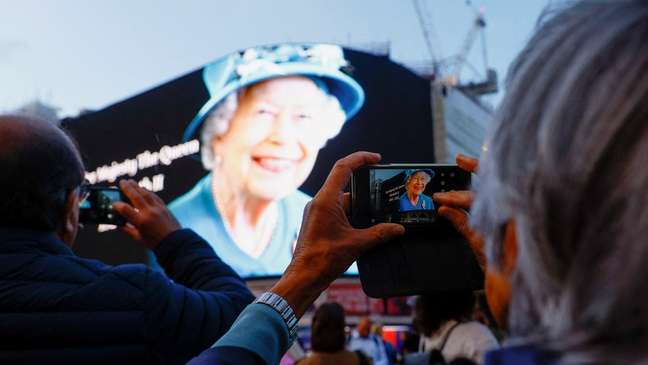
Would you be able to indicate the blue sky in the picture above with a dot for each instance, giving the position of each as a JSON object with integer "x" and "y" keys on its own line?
{"x": 79, "y": 54}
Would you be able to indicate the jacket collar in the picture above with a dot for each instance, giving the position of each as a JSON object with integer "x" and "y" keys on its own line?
{"x": 22, "y": 241}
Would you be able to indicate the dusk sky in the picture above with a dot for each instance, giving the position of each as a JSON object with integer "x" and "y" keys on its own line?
{"x": 77, "y": 54}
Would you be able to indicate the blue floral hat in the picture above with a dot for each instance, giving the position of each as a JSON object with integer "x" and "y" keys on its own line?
{"x": 321, "y": 62}
{"x": 411, "y": 172}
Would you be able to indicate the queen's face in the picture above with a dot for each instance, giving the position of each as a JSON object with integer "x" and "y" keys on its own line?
{"x": 273, "y": 139}
{"x": 417, "y": 183}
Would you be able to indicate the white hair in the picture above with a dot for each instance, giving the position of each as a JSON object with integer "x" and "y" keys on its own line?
{"x": 567, "y": 160}
{"x": 217, "y": 123}
{"x": 428, "y": 178}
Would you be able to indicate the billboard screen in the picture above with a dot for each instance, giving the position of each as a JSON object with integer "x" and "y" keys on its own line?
{"x": 237, "y": 148}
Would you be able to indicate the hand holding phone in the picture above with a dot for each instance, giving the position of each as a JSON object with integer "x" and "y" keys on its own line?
{"x": 454, "y": 206}
{"x": 97, "y": 207}
{"x": 137, "y": 211}
{"x": 148, "y": 219}
{"x": 432, "y": 255}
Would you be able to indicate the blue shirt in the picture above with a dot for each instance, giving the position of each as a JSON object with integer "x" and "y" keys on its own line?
{"x": 371, "y": 346}
{"x": 424, "y": 203}
{"x": 196, "y": 210}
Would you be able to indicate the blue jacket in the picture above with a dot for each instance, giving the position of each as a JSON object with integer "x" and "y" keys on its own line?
{"x": 424, "y": 203}
{"x": 196, "y": 210}
{"x": 57, "y": 308}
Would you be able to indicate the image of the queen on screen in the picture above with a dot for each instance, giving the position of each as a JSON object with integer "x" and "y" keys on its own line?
{"x": 271, "y": 110}
{"x": 415, "y": 183}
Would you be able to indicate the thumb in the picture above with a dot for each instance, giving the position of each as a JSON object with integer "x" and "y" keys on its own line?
{"x": 373, "y": 236}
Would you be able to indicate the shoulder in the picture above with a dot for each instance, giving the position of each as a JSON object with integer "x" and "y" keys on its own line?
{"x": 298, "y": 198}
{"x": 475, "y": 334}
{"x": 474, "y": 328}
{"x": 192, "y": 196}
{"x": 295, "y": 203}
{"x": 192, "y": 202}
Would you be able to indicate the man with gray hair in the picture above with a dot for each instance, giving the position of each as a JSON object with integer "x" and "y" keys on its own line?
{"x": 58, "y": 308}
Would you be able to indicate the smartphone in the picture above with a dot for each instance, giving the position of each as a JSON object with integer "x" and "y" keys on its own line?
{"x": 432, "y": 255}
{"x": 97, "y": 207}
{"x": 402, "y": 193}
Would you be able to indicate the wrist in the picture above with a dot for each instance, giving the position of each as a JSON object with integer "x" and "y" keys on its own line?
{"x": 281, "y": 306}
{"x": 299, "y": 290}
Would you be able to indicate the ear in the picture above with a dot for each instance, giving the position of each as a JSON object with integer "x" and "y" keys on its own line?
{"x": 70, "y": 227}
{"x": 498, "y": 283}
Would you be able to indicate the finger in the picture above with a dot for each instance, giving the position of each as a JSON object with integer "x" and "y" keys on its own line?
{"x": 126, "y": 211}
{"x": 150, "y": 197}
{"x": 346, "y": 203}
{"x": 370, "y": 237}
{"x": 342, "y": 170}
{"x": 132, "y": 192}
{"x": 460, "y": 220}
{"x": 458, "y": 199}
{"x": 130, "y": 230}
{"x": 467, "y": 163}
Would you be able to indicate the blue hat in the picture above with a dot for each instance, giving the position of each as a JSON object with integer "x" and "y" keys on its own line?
{"x": 320, "y": 62}
{"x": 411, "y": 172}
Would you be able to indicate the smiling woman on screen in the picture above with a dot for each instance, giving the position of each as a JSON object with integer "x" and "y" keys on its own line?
{"x": 271, "y": 110}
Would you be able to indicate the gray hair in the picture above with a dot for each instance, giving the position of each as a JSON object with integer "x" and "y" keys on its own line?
{"x": 216, "y": 124}
{"x": 218, "y": 121}
{"x": 567, "y": 160}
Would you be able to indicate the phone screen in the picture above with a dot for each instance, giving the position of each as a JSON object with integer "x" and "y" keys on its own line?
{"x": 402, "y": 193}
{"x": 97, "y": 208}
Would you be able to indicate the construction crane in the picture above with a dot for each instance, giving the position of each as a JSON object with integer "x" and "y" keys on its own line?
{"x": 431, "y": 40}
{"x": 449, "y": 69}
{"x": 478, "y": 27}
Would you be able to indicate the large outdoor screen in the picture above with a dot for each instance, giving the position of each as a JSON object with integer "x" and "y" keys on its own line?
{"x": 238, "y": 147}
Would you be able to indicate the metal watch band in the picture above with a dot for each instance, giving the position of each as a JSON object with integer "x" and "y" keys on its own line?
{"x": 283, "y": 308}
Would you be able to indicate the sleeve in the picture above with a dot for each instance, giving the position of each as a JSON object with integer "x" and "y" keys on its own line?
{"x": 188, "y": 313}
{"x": 259, "y": 333}
{"x": 224, "y": 355}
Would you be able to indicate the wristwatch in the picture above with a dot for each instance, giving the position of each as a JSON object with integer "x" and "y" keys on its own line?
{"x": 282, "y": 307}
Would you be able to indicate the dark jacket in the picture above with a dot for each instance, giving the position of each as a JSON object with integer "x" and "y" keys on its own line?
{"x": 57, "y": 308}
{"x": 521, "y": 355}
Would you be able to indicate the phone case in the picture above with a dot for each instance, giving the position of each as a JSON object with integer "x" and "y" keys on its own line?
{"x": 416, "y": 264}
